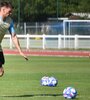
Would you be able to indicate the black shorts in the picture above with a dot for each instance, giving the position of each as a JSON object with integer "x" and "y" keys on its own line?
{"x": 2, "y": 60}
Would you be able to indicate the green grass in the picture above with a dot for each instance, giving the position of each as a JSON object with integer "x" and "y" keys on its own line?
{"x": 21, "y": 80}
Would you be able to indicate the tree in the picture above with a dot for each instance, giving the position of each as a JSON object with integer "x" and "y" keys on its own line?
{"x": 40, "y": 10}
{"x": 84, "y": 6}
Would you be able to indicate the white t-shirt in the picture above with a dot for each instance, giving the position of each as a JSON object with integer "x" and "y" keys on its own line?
{"x": 6, "y": 25}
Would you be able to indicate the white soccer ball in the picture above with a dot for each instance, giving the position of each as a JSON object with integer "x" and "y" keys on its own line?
{"x": 44, "y": 81}
{"x": 48, "y": 81}
{"x": 69, "y": 93}
{"x": 52, "y": 81}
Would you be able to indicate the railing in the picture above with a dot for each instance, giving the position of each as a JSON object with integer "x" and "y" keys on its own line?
{"x": 65, "y": 27}
{"x": 49, "y": 41}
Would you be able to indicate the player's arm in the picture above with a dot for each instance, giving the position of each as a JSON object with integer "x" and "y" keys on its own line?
{"x": 17, "y": 45}
{"x": 16, "y": 41}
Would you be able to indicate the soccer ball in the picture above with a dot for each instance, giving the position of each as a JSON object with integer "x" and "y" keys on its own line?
{"x": 52, "y": 81}
{"x": 44, "y": 81}
{"x": 69, "y": 93}
{"x": 48, "y": 81}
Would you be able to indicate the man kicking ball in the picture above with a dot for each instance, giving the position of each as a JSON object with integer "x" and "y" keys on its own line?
{"x": 6, "y": 23}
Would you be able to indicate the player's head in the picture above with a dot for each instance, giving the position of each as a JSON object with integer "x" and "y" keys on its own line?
{"x": 6, "y": 8}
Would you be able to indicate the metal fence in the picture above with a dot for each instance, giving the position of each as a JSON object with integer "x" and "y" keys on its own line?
{"x": 63, "y": 27}
{"x": 57, "y": 35}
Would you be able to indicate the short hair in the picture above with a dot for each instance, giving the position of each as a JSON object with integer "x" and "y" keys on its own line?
{"x": 6, "y": 4}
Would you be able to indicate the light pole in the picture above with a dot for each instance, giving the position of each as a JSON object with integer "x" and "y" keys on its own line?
{"x": 18, "y": 12}
{"x": 57, "y": 10}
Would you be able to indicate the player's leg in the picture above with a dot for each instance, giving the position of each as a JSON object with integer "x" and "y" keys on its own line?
{"x": 2, "y": 61}
{"x": 1, "y": 71}
{"x": 89, "y": 55}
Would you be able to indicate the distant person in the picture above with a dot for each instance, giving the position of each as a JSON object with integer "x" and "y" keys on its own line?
{"x": 6, "y": 23}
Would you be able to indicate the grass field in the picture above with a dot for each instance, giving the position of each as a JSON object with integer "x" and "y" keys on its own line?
{"x": 21, "y": 80}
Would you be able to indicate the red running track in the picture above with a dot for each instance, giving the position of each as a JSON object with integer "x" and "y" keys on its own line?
{"x": 49, "y": 53}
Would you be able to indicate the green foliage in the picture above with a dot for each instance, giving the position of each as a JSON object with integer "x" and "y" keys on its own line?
{"x": 40, "y": 10}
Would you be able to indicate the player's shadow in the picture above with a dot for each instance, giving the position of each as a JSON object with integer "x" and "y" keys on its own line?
{"x": 32, "y": 95}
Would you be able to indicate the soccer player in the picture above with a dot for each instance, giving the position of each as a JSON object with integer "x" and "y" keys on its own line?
{"x": 6, "y": 23}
